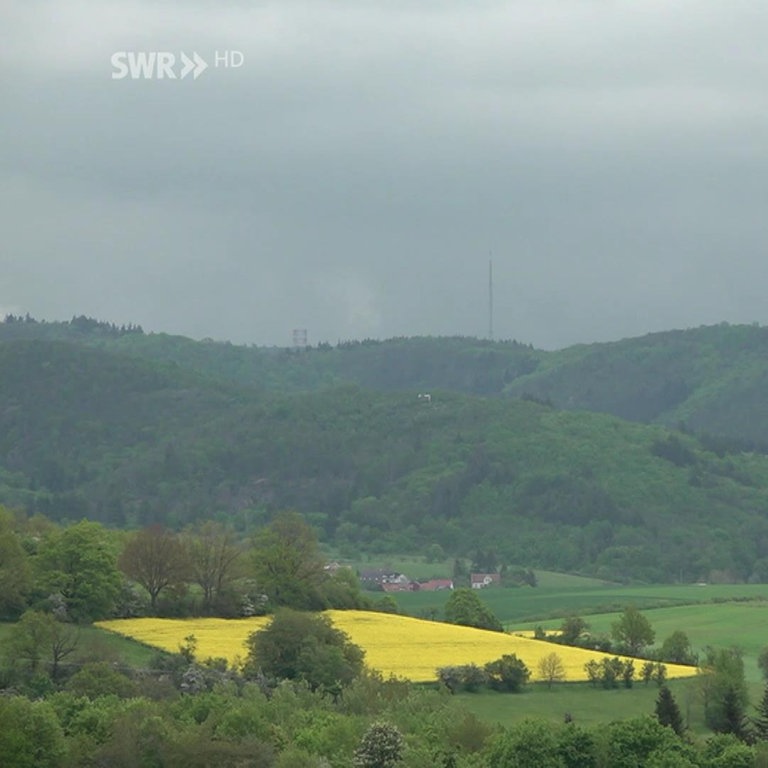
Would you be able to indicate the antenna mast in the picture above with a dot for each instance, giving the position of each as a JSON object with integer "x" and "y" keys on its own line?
{"x": 490, "y": 299}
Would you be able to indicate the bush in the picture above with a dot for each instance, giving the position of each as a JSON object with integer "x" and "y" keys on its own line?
{"x": 507, "y": 674}
{"x": 304, "y": 646}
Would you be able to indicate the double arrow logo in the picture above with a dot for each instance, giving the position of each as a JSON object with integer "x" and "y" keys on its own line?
{"x": 197, "y": 64}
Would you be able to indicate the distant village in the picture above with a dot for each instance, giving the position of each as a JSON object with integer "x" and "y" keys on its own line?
{"x": 392, "y": 581}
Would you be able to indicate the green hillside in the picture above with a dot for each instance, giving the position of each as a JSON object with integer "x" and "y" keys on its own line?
{"x": 710, "y": 380}
{"x": 90, "y": 432}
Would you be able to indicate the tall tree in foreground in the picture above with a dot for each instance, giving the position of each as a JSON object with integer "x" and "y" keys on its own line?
{"x": 155, "y": 558}
{"x": 287, "y": 562}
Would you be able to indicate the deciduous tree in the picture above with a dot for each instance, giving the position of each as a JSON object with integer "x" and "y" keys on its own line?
{"x": 80, "y": 564}
{"x": 38, "y": 637}
{"x": 676, "y": 649}
{"x": 572, "y": 628}
{"x": 382, "y": 746}
{"x": 466, "y": 608}
{"x": 508, "y": 673}
{"x": 304, "y": 646}
{"x": 212, "y": 556}
{"x": 633, "y": 631}
{"x": 287, "y": 562}
{"x": 724, "y": 689}
{"x": 30, "y": 736}
{"x": 155, "y": 558}
{"x": 551, "y": 669}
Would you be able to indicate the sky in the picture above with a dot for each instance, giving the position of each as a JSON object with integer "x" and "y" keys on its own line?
{"x": 350, "y": 168}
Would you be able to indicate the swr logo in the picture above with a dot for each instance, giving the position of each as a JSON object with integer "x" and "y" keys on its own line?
{"x": 156, "y": 65}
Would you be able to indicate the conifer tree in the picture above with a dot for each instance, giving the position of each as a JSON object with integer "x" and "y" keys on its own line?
{"x": 667, "y": 711}
{"x": 760, "y": 721}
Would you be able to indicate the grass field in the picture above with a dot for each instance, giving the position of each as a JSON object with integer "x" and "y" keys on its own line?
{"x": 740, "y": 624}
{"x": 526, "y": 604}
{"x": 96, "y": 644}
{"x": 590, "y": 706}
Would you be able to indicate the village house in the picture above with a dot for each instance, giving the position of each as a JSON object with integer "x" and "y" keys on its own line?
{"x": 483, "y": 580}
{"x": 379, "y": 578}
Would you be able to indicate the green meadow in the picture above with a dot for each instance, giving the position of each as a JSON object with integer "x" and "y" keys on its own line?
{"x": 590, "y": 706}
{"x": 559, "y": 595}
{"x": 733, "y": 624}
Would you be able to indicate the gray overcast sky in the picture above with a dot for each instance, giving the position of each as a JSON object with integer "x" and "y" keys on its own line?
{"x": 352, "y": 176}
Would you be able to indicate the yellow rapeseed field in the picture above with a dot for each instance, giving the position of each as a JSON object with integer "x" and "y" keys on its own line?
{"x": 394, "y": 645}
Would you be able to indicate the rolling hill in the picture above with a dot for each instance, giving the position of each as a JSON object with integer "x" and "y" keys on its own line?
{"x": 90, "y": 429}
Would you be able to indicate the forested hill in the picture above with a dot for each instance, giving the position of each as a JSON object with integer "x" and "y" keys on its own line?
{"x": 708, "y": 380}
{"x": 712, "y": 379}
{"x": 459, "y": 364}
{"x": 90, "y": 432}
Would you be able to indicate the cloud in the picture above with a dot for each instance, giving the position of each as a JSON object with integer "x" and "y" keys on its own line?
{"x": 353, "y": 175}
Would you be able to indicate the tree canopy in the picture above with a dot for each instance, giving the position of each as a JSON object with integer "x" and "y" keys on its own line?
{"x": 287, "y": 562}
{"x": 465, "y": 607}
{"x": 633, "y": 631}
{"x": 79, "y": 564}
{"x": 304, "y": 646}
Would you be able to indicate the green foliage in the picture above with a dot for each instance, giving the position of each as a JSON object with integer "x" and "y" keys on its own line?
{"x": 532, "y": 743}
{"x": 305, "y": 647}
{"x": 287, "y": 562}
{"x": 760, "y": 720}
{"x": 30, "y": 736}
{"x": 572, "y": 628}
{"x": 726, "y": 751}
{"x": 609, "y": 672}
{"x": 676, "y": 649}
{"x": 80, "y": 565}
{"x": 762, "y": 662}
{"x": 156, "y": 443}
{"x": 465, "y": 607}
{"x": 99, "y": 678}
{"x": 633, "y": 631}
{"x": 39, "y": 643}
{"x": 463, "y": 677}
{"x": 386, "y": 604}
{"x": 15, "y": 571}
{"x": 641, "y": 741}
{"x": 724, "y": 690}
{"x": 134, "y": 429}
{"x": 341, "y": 590}
{"x": 508, "y": 674}
{"x": 667, "y": 711}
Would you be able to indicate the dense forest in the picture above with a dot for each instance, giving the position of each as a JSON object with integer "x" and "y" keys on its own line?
{"x": 132, "y": 429}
